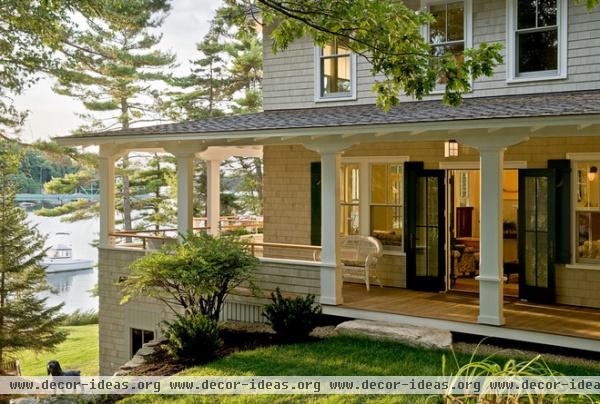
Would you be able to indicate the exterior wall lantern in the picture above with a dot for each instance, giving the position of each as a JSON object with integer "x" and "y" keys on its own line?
{"x": 593, "y": 173}
{"x": 451, "y": 148}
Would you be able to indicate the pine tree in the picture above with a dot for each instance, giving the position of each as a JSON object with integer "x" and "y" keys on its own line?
{"x": 25, "y": 320}
{"x": 246, "y": 73}
{"x": 115, "y": 70}
{"x": 206, "y": 90}
{"x": 151, "y": 198}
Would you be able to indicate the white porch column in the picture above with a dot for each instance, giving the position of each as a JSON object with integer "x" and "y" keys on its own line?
{"x": 331, "y": 276}
{"x": 213, "y": 195}
{"x": 185, "y": 192}
{"x": 491, "y": 272}
{"x": 106, "y": 172}
{"x": 491, "y": 278}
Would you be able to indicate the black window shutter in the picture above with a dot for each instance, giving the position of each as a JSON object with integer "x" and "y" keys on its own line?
{"x": 563, "y": 209}
{"x": 315, "y": 203}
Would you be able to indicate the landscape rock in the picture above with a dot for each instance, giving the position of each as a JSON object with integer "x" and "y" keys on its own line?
{"x": 142, "y": 357}
{"x": 409, "y": 334}
{"x": 323, "y": 332}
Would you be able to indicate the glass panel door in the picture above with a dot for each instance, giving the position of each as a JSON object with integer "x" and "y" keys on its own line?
{"x": 536, "y": 239}
{"x": 425, "y": 223}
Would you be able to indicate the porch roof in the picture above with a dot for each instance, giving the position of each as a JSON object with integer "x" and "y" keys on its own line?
{"x": 434, "y": 113}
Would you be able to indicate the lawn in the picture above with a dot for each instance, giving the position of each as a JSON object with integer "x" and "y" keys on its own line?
{"x": 343, "y": 356}
{"x": 79, "y": 351}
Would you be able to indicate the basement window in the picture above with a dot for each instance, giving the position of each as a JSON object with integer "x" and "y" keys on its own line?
{"x": 138, "y": 338}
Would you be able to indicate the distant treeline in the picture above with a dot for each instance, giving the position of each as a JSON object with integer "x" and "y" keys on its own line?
{"x": 36, "y": 169}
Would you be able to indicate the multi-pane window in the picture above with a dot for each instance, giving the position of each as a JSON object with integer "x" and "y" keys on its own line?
{"x": 536, "y": 36}
{"x": 335, "y": 66}
{"x": 447, "y": 33}
{"x": 386, "y": 203}
{"x": 350, "y": 199}
{"x": 381, "y": 204}
{"x": 587, "y": 211}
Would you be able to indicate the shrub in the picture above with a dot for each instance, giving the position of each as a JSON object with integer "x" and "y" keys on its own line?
{"x": 193, "y": 338}
{"x": 79, "y": 317}
{"x": 196, "y": 274}
{"x": 292, "y": 319}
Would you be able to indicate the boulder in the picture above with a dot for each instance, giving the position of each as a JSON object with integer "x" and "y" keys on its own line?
{"x": 408, "y": 334}
{"x": 143, "y": 356}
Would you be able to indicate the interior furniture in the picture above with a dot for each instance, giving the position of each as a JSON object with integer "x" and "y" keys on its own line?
{"x": 464, "y": 221}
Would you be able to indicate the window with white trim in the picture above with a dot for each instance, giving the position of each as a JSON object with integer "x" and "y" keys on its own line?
{"x": 451, "y": 30}
{"x": 447, "y": 32}
{"x": 587, "y": 211}
{"x": 335, "y": 72}
{"x": 380, "y": 199}
{"x": 537, "y": 30}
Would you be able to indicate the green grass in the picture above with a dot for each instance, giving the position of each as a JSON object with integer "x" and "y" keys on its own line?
{"x": 337, "y": 356}
{"x": 79, "y": 351}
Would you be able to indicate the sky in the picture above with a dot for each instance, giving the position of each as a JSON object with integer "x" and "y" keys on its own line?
{"x": 55, "y": 115}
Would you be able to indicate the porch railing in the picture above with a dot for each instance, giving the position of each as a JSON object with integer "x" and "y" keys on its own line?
{"x": 154, "y": 239}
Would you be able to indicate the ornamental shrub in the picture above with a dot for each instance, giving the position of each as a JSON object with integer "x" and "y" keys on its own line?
{"x": 292, "y": 319}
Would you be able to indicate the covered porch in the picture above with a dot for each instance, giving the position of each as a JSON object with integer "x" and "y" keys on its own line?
{"x": 456, "y": 311}
{"x": 365, "y": 134}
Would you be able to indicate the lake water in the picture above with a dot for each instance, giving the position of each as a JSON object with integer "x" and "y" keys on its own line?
{"x": 73, "y": 287}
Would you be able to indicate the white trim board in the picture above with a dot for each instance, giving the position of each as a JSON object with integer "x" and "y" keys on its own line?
{"x": 511, "y": 51}
{"x": 468, "y": 328}
{"x": 474, "y": 165}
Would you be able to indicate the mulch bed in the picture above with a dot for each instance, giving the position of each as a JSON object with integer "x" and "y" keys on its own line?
{"x": 236, "y": 337}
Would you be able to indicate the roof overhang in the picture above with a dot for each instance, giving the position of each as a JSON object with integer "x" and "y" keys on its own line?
{"x": 545, "y": 126}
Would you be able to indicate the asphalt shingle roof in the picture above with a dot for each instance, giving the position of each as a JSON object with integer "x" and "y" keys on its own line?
{"x": 514, "y": 106}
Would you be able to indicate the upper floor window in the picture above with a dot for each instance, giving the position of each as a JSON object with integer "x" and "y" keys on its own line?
{"x": 447, "y": 33}
{"x": 450, "y": 33}
{"x": 538, "y": 38}
{"x": 335, "y": 72}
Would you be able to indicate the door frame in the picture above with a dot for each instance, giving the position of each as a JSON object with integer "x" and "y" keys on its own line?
{"x": 461, "y": 166}
{"x": 535, "y": 293}
{"x": 414, "y": 170}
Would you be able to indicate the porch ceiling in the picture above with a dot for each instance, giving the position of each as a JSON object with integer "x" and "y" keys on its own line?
{"x": 549, "y": 115}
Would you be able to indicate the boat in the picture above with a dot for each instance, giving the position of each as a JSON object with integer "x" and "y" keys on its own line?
{"x": 60, "y": 259}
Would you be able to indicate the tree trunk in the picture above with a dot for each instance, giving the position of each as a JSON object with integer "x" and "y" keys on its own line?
{"x": 125, "y": 194}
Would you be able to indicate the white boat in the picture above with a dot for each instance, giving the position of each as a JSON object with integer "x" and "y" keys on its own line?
{"x": 60, "y": 259}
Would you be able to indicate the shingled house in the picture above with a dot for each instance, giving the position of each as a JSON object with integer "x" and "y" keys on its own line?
{"x": 488, "y": 213}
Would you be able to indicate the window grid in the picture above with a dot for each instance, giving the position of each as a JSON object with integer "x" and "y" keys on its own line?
{"x": 537, "y": 28}
{"x": 337, "y": 56}
{"x": 587, "y": 213}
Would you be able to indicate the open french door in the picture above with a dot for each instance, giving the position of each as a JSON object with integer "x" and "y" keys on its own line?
{"x": 537, "y": 195}
{"x": 425, "y": 228}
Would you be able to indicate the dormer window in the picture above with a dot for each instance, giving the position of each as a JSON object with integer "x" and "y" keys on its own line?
{"x": 537, "y": 39}
{"x": 336, "y": 66}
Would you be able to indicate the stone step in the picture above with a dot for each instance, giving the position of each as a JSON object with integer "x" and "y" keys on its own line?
{"x": 408, "y": 334}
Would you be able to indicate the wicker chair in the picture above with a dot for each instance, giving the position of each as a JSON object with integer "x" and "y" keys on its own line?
{"x": 10, "y": 368}
{"x": 358, "y": 257}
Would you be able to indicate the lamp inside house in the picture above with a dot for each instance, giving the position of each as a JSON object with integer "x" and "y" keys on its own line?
{"x": 593, "y": 173}
{"x": 451, "y": 148}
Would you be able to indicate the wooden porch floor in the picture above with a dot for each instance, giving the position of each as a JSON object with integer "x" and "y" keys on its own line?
{"x": 463, "y": 307}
